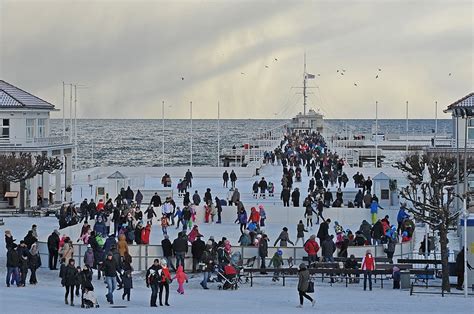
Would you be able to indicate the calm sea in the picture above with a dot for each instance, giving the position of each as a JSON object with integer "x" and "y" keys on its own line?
{"x": 139, "y": 142}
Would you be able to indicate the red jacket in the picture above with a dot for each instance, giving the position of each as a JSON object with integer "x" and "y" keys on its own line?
{"x": 311, "y": 247}
{"x": 100, "y": 206}
{"x": 146, "y": 234}
{"x": 368, "y": 262}
{"x": 165, "y": 274}
{"x": 181, "y": 276}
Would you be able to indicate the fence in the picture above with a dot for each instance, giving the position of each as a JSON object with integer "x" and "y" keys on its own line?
{"x": 143, "y": 255}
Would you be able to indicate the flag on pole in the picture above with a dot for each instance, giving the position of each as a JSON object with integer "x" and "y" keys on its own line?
{"x": 310, "y": 76}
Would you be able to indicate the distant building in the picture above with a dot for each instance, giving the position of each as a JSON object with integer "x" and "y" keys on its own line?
{"x": 459, "y": 123}
{"x": 25, "y": 127}
{"x": 312, "y": 121}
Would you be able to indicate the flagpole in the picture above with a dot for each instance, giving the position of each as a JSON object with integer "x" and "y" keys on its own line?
{"x": 218, "y": 135}
{"x": 406, "y": 136}
{"x": 64, "y": 121}
{"x": 376, "y": 134}
{"x": 436, "y": 123}
{"x": 191, "y": 117}
{"x": 70, "y": 113}
{"x": 163, "y": 133}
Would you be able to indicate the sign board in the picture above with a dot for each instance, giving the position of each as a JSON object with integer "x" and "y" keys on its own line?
{"x": 12, "y": 194}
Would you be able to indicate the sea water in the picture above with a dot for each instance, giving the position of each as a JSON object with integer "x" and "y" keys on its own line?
{"x": 139, "y": 142}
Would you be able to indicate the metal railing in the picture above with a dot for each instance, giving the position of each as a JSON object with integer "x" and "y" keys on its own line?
{"x": 34, "y": 142}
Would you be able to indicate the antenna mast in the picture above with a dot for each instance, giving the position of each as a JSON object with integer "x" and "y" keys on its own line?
{"x": 304, "y": 86}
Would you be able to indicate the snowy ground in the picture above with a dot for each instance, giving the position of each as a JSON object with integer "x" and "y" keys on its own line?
{"x": 264, "y": 297}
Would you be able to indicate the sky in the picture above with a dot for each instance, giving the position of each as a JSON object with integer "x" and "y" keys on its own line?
{"x": 129, "y": 56}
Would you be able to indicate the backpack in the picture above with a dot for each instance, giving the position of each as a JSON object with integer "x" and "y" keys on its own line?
{"x": 100, "y": 240}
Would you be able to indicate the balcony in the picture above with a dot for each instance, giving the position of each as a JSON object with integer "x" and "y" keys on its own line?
{"x": 24, "y": 144}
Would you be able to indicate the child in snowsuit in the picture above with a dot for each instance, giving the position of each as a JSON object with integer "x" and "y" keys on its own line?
{"x": 277, "y": 262}
{"x": 127, "y": 284}
{"x": 181, "y": 277}
{"x": 179, "y": 215}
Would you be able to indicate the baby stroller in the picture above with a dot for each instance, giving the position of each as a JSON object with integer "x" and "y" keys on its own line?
{"x": 228, "y": 277}
{"x": 89, "y": 300}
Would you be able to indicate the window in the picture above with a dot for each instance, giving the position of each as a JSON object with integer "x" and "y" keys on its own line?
{"x": 30, "y": 129}
{"x": 4, "y": 128}
{"x": 470, "y": 130}
{"x": 41, "y": 127}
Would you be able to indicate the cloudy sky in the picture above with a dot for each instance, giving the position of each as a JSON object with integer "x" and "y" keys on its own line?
{"x": 131, "y": 55}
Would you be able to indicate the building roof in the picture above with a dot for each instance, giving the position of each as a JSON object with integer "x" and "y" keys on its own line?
{"x": 465, "y": 102}
{"x": 381, "y": 176}
{"x": 12, "y": 97}
{"x": 117, "y": 175}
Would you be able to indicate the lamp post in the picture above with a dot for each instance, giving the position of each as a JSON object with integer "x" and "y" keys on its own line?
{"x": 191, "y": 117}
{"x": 163, "y": 134}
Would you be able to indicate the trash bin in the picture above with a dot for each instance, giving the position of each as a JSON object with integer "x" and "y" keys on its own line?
{"x": 405, "y": 280}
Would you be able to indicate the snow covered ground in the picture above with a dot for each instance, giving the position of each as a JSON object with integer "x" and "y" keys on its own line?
{"x": 264, "y": 297}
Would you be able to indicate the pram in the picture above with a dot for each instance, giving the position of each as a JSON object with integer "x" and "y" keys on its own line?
{"x": 238, "y": 262}
{"x": 89, "y": 300}
{"x": 229, "y": 277}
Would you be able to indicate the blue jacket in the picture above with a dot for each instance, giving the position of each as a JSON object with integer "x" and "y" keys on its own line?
{"x": 243, "y": 217}
{"x": 374, "y": 207}
{"x": 108, "y": 244}
{"x": 100, "y": 227}
{"x": 402, "y": 215}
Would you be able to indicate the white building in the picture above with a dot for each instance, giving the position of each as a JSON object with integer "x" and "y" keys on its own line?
{"x": 459, "y": 123}
{"x": 312, "y": 121}
{"x": 25, "y": 127}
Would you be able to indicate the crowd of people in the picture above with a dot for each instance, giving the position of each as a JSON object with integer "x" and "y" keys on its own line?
{"x": 109, "y": 227}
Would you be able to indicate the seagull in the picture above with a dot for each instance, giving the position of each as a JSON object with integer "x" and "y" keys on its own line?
{"x": 242, "y": 73}
{"x": 449, "y": 74}
{"x": 380, "y": 69}
{"x": 342, "y": 73}
{"x": 343, "y": 70}
{"x": 182, "y": 78}
{"x": 337, "y": 71}
{"x": 377, "y": 76}
{"x": 266, "y": 66}
{"x": 355, "y": 84}
{"x": 319, "y": 74}
{"x": 276, "y": 59}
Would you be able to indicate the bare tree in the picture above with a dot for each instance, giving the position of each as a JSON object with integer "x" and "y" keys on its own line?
{"x": 432, "y": 202}
{"x": 24, "y": 166}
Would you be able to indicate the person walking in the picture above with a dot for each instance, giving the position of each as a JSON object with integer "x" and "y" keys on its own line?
{"x": 263, "y": 252}
{"x": 180, "y": 247}
{"x": 284, "y": 238}
{"x": 233, "y": 179}
{"x": 197, "y": 249}
{"x": 181, "y": 277}
{"x": 153, "y": 280}
{"x": 207, "y": 260}
{"x": 300, "y": 230}
{"x": 303, "y": 284}
{"x": 165, "y": 282}
{"x": 109, "y": 268}
{"x": 34, "y": 262}
{"x": 13, "y": 262}
{"x": 53, "y": 249}
{"x": 225, "y": 178}
{"x": 69, "y": 280}
{"x": 368, "y": 266}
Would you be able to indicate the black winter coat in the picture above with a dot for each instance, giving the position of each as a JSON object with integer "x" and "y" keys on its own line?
{"x": 109, "y": 267}
{"x": 197, "y": 248}
{"x": 13, "y": 260}
{"x": 323, "y": 231}
{"x": 263, "y": 248}
{"x": 167, "y": 247}
{"x": 180, "y": 245}
{"x": 70, "y": 276}
{"x": 53, "y": 242}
